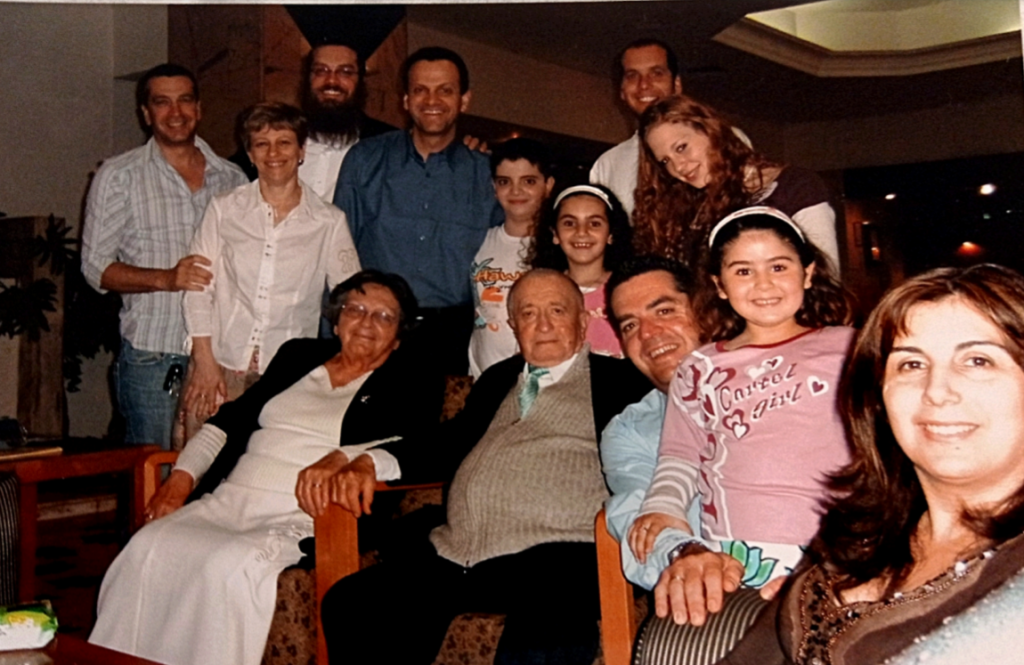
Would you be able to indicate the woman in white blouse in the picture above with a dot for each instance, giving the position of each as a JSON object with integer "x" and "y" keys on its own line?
{"x": 274, "y": 245}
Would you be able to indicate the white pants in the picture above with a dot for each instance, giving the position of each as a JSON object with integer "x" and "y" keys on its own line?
{"x": 199, "y": 585}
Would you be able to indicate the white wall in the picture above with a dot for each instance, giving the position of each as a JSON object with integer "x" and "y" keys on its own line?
{"x": 61, "y": 113}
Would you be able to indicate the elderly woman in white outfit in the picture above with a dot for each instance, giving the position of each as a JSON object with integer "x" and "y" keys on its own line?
{"x": 198, "y": 584}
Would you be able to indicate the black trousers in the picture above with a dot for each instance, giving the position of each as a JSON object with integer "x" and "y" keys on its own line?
{"x": 398, "y": 611}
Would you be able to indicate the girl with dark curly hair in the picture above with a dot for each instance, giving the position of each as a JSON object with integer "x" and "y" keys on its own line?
{"x": 752, "y": 426}
{"x": 586, "y": 235}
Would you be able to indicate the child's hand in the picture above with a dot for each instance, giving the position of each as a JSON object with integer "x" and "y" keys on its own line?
{"x": 645, "y": 531}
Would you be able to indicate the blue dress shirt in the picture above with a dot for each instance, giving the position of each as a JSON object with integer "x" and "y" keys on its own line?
{"x": 422, "y": 219}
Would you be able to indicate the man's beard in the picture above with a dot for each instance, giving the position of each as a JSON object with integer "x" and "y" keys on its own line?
{"x": 335, "y": 123}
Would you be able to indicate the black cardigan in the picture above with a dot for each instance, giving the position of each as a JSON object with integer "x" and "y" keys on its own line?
{"x": 398, "y": 399}
{"x": 614, "y": 384}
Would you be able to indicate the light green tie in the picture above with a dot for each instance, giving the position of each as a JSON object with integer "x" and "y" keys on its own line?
{"x": 530, "y": 389}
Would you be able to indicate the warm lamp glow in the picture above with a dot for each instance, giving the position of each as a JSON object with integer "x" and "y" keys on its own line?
{"x": 969, "y": 248}
{"x": 987, "y": 189}
{"x": 890, "y": 197}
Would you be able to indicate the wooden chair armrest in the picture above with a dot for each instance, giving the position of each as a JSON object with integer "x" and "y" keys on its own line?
{"x": 337, "y": 549}
{"x": 618, "y": 617}
{"x": 147, "y": 481}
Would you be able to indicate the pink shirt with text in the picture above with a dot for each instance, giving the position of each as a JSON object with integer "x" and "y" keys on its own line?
{"x": 755, "y": 431}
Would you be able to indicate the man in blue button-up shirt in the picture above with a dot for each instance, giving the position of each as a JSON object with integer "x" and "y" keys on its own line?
{"x": 419, "y": 202}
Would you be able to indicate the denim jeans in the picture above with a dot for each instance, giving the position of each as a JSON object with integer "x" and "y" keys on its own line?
{"x": 148, "y": 409}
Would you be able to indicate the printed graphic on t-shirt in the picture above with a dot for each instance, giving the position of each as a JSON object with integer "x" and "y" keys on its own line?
{"x": 491, "y": 286}
{"x": 729, "y": 404}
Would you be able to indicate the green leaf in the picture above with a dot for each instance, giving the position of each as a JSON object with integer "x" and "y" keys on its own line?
{"x": 23, "y": 310}
{"x": 763, "y": 573}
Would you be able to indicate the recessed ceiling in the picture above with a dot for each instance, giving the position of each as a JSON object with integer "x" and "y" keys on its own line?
{"x": 881, "y": 37}
{"x": 893, "y": 25}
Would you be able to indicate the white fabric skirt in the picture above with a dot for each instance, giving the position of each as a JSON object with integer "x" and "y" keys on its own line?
{"x": 199, "y": 586}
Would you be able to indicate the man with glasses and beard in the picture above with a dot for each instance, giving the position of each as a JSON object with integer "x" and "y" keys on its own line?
{"x": 333, "y": 104}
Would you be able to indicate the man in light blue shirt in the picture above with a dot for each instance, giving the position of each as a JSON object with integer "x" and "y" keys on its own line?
{"x": 140, "y": 216}
{"x": 649, "y": 305}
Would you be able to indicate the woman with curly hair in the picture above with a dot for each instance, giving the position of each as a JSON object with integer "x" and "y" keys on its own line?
{"x": 695, "y": 170}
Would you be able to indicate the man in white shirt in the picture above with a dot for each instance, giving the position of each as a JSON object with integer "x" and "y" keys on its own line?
{"x": 333, "y": 104}
{"x": 648, "y": 71}
{"x": 332, "y": 101}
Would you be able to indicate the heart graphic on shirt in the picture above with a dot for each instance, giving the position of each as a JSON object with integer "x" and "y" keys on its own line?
{"x": 734, "y": 423}
{"x": 756, "y": 371}
{"x": 772, "y": 363}
{"x": 817, "y": 386}
{"x": 694, "y": 381}
{"x": 719, "y": 376}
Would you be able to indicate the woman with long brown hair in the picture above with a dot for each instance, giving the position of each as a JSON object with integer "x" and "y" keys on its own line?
{"x": 695, "y": 170}
{"x": 927, "y": 519}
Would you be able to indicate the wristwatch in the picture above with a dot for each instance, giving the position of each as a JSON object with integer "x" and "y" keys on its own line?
{"x": 685, "y": 549}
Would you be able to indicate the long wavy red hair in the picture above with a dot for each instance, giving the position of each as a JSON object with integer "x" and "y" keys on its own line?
{"x": 672, "y": 218}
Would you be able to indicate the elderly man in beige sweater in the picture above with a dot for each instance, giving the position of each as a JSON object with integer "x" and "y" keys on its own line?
{"x": 525, "y": 485}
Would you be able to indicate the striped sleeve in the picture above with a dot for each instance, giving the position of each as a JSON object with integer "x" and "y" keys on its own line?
{"x": 106, "y": 214}
{"x": 673, "y": 488}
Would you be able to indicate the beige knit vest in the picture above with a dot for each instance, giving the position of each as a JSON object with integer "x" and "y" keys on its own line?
{"x": 528, "y": 481}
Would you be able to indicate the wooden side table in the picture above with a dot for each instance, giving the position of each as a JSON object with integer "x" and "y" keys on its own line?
{"x": 70, "y": 650}
{"x": 80, "y": 459}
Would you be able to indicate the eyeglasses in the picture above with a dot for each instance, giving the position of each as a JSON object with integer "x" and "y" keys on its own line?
{"x": 356, "y": 311}
{"x": 344, "y": 71}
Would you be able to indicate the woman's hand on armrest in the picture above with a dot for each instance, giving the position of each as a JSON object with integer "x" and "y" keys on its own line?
{"x": 352, "y": 487}
{"x": 695, "y": 584}
{"x": 645, "y": 531}
{"x": 171, "y": 495}
{"x": 312, "y": 488}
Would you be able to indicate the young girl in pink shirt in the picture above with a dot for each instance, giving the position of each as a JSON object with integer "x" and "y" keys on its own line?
{"x": 586, "y": 235}
{"x": 752, "y": 426}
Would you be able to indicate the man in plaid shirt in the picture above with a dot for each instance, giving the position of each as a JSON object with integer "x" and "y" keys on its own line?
{"x": 141, "y": 213}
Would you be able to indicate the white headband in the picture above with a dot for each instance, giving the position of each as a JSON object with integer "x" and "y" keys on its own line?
{"x": 583, "y": 189}
{"x": 754, "y": 210}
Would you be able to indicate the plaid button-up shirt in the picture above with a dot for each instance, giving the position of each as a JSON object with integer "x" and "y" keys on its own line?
{"x": 141, "y": 212}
